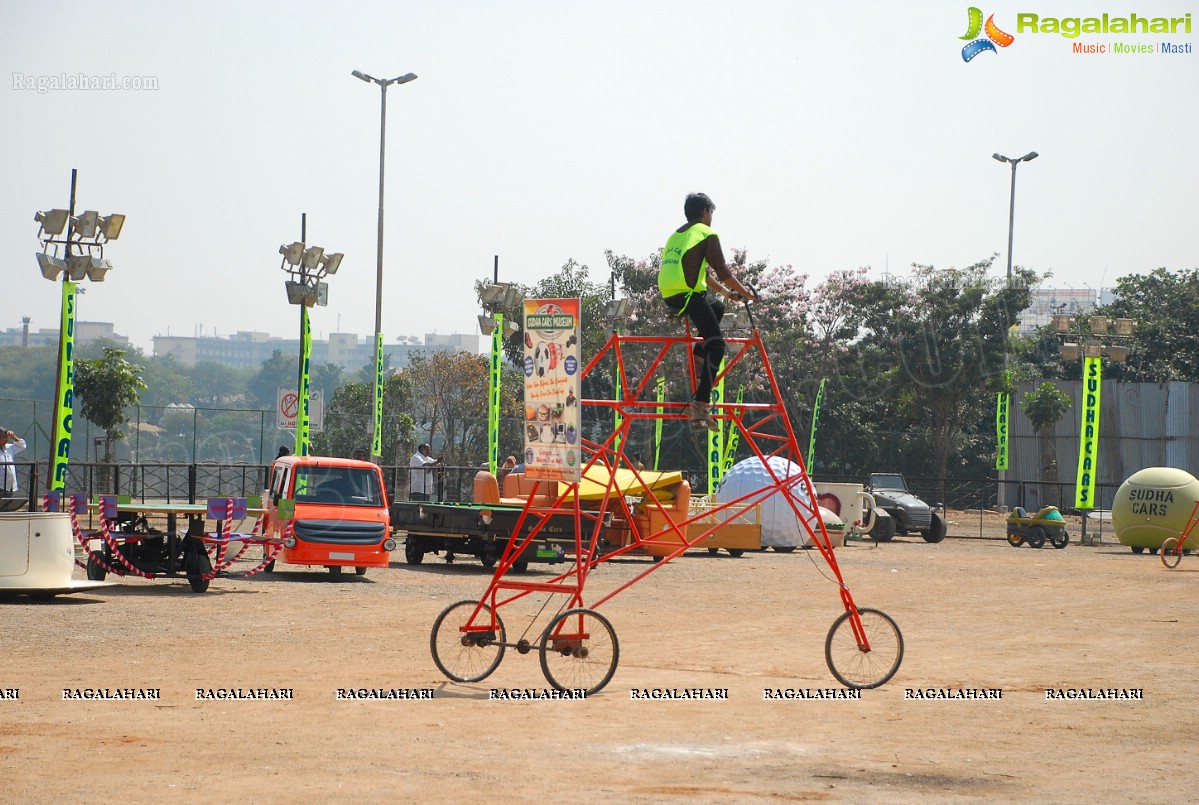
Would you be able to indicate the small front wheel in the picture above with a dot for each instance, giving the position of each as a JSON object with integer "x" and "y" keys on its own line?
{"x": 1171, "y": 553}
{"x": 1015, "y": 540}
{"x": 467, "y": 649}
{"x": 1061, "y": 539}
{"x": 579, "y": 651}
{"x": 864, "y": 665}
{"x": 199, "y": 568}
{"x": 95, "y": 572}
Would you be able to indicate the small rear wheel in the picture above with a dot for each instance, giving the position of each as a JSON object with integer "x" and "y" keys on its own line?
{"x": 334, "y": 570}
{"x": 735, "y": 552}
{"x": 783, "y": 548}
{"x": 858, "y": 666}
{"x": 198, "y": 566}
{"x": 467, "y": 656}
{"x": 1171, "y": 553}
{"x": 1138, "y": 548}
{"x": 361, "y": 571}
{"x": 1061, "y": 539}
{"x": 579, "y": 651}
{"x": 1015, "y": 540}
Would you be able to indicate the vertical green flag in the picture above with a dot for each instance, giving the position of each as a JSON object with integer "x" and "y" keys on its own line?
{"x": 1088, "y": 435}
{"x": 493, "y": 396}
{"x": 661, "y": 389}
{"x": 1003, "y": 404}
{"x": 65, "y": 405}
{"x": 730, "y": 444}
{"x": 377, "y": 437}
{"x": 811, "y": 462}
{"x": 617, "y": 419}
{"x": 304, "y": 391}
{"x": 716, "y": 440}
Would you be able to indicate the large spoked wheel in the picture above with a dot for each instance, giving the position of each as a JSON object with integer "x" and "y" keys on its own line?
{"x": 1171, "y": 554}
{"x": 579, "y": 651}
{"x": 855, "y": 667}
{"x": 467, "y": 656}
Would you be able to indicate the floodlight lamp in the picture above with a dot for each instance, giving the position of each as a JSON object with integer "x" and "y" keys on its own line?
{"x": 1070, "y": 351}
{"x": 292, "y": 253}
{"x": 84, "y": 226}
{"x": 322, "y": 294}
{"x": 98, "y": 268}
{"x": 494, "y": 294}
{"x": 51, "y": 267}
{"x": 298, "y": 293}
{"x": 1099, "y": 325}
{"x": 486, "y": 325}
{"x": 331, "y": 262}
{"x": 1092, "y": 349}
{"x": 1117, "y": 354}
{"x": 513, "y": 297}
{"x": 77, "y": 266}
{"x": 52, "y": 221}
{"x": 1061, "y": 323}
{"x": 311, "y": 258}
{"x": 511, "y": 328}
{"x": 618, "y": 309}
{"x": 110, "y": 225}
{"x": 1125, "y": 326}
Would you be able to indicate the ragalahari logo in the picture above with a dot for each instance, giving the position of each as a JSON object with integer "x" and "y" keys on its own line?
{"x": 994, "y": 36}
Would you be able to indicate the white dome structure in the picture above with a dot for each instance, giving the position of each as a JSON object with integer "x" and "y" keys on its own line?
{"x": 780, "y": 526}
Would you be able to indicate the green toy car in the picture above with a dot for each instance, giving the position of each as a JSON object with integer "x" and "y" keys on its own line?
{"x": 1047, "y": 524}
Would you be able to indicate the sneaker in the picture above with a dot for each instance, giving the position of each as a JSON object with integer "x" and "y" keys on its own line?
{"x": 699, "y": 415}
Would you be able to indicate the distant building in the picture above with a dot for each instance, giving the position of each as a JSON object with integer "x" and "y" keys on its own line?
{"x": 245, "y": 349}
{"x": 1047, "y": 301}
{"x": 85, "y": 332}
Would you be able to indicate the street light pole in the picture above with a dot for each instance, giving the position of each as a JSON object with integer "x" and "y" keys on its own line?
{"x": 1011, "y": 224}
{"x": 384, "y": 83}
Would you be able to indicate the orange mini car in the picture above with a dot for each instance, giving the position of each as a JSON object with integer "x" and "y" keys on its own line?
{"x": 330, "y": 512}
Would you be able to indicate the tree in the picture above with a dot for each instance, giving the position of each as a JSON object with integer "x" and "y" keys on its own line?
{"x": 1165, "y": 306}
{"x": 1045, "y": 406}
{"x": 449, "y": 398}
{"x": 107, "y": 386}
{"x": 349, "y": 416}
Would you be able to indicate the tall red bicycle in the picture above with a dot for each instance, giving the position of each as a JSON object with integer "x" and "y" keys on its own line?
{"x": 578, "y": 647}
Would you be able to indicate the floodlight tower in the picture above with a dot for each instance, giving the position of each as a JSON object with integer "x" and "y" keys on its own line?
{"x": 82, "y": 257}
{"x": 495, "y": 299}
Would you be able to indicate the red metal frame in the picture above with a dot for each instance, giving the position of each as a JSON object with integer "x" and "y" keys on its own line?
{"x": 764, "y": 427}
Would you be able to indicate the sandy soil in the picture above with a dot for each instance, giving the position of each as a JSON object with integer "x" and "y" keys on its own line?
{"x": 975, "y": 614}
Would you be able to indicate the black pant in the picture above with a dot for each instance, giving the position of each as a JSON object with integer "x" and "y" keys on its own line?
{"x": 705, "y": 314}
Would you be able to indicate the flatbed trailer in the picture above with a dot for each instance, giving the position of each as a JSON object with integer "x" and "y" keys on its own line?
{"x": 480, "y": 530}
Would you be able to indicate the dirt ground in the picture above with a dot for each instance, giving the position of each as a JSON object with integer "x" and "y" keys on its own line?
{"x": 975, "y": 614}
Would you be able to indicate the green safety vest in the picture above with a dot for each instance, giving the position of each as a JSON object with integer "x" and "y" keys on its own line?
{"x": 671, "y": 281}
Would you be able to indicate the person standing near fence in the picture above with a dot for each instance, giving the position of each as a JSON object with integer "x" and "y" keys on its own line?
{"x": 10, "y": 445}
{"x": 422, "y": 463}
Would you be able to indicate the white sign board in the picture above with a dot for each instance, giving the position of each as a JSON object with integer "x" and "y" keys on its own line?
{"x": 287, "y": 407}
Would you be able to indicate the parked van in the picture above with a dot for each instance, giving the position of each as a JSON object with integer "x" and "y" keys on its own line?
{"x": 336, "y": 509}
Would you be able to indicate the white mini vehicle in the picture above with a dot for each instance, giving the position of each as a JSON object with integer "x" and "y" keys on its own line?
{"x": 37, "y": 556}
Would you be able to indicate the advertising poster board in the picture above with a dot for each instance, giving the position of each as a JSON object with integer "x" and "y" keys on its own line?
{"x": 553, "y": 391}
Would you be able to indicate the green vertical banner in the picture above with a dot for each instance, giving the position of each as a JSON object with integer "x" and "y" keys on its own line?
{"x": 1003, "y": 409}
{"x": 730, "y": 444}
{"x": 810, "y": 464}
{"x": 65, "y": 406}
{"x": 661, "y": 396}
{"x": 493, "y": 396}
{"x": 377, "y": 433}
{"x": 1088, "y": 435}
{"x": 716, "y": 440}
{"x": 305, "y": 391}
{"x": 617, "y": 419}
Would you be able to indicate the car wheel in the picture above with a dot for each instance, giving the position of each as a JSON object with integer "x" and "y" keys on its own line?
{"x": 1015, "y": 540}
{"x": 1062, "y": 539}
{"x": 1138, "y": 549}
{"x": 1036, "y": 536}
{"x": 936, "y": 529}
{"x": 884, "y": 527}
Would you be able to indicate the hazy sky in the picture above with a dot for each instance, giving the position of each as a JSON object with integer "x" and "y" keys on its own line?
{"x": 830, "y": 135}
